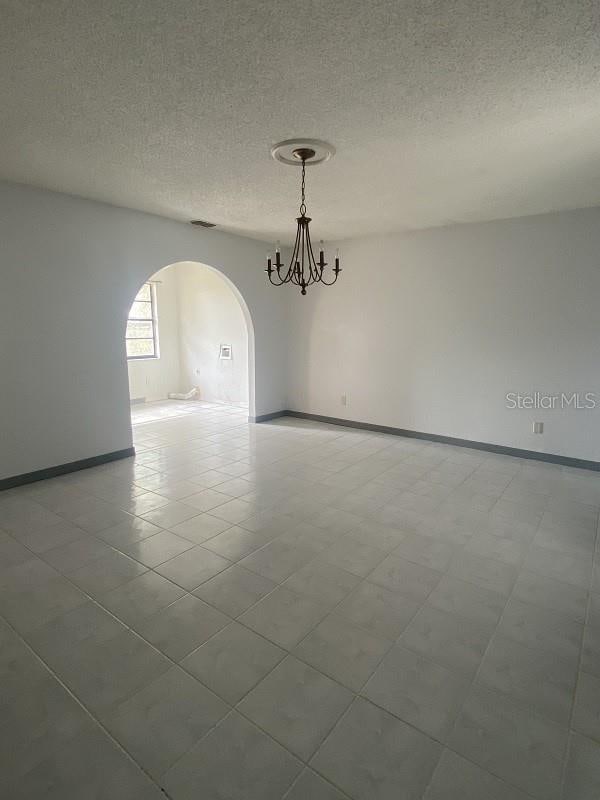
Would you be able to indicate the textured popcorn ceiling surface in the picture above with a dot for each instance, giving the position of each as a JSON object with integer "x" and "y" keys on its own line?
{"x": 441, "y": 112}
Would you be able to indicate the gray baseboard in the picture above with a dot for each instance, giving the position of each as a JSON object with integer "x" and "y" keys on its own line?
{"x": 267, "y": 417}
{"x": 63, "y": 469}
{"x": 534, "y": 455}
{"x": 105, "y": 458}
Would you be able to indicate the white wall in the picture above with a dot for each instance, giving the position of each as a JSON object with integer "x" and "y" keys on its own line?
{"x": 426, "y": 331}
{"x": 429, "y": 331}
{"x": 210, "y": 315}
{"x": 69, "y": 270}
{"x": 154, "y": 378}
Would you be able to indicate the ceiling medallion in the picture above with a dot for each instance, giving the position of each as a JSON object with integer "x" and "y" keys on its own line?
{"x": 303, "y": 269}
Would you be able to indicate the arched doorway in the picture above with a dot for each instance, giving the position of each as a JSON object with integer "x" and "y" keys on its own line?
{"x": 189, "y": 344}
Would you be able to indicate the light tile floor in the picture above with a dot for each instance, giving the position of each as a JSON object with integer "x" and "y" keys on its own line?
{"x": 301, "y": 611}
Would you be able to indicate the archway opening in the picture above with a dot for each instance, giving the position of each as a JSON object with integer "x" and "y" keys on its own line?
{"x": 190, "y": 346}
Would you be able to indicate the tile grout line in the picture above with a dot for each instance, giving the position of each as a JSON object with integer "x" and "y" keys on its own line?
{"x": 187, "y": 592}
{"x": 579, "y": 663}
{"x": 135, "y": 633}
{"x": 231, "y": 708}
{"x": 174, "y": 664}
{"x": 82, "y": 705}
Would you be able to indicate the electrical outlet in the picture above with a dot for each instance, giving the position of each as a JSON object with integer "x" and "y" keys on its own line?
{"x": 344, "y": 399}
{"x": 538, "y": 427}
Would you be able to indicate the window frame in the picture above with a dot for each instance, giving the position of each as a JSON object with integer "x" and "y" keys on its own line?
{"x": 153, "y": 320}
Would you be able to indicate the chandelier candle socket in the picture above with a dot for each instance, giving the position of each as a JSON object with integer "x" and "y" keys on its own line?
{"x": 303, "y": 269}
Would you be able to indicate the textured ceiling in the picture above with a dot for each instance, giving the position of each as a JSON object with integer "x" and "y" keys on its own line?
{"x": 441, "y": 111}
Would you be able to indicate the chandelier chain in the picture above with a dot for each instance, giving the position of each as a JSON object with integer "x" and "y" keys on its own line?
{"x": 303, "y": 204}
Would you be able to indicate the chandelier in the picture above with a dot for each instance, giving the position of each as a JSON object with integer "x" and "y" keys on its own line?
{"x": 303, "y": 270}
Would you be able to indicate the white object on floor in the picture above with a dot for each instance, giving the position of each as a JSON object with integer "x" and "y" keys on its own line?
{"x": 189, "y": 396}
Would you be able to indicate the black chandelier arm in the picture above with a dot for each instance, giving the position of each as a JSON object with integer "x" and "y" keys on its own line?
{"x": 302, "y": 248}
{"x": 270, "y": 270}
{"x": 296, "y": 270}
{"x": 335, "y": 272}
{"x": 309, "y": 256}
{"x": 281, "y": 277}
{"x": 317, "y": 272}
{"x": 279, "y": 281}
{"x": 307, "y": 267}
{"x": 321, "y": 267}
{"x": 289, "y": 276}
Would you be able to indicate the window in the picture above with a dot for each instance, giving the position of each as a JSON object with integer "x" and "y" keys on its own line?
{"x": 141, "y": 338}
